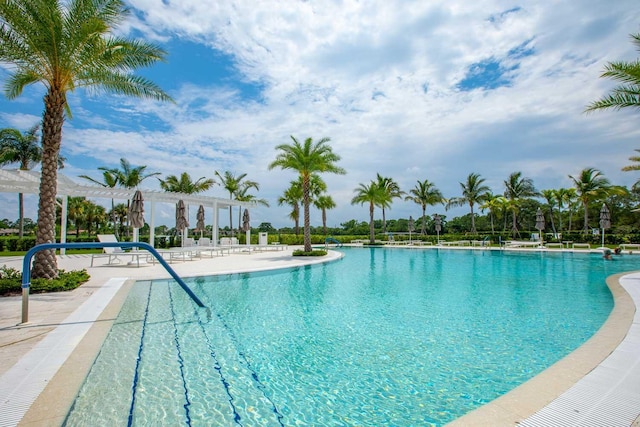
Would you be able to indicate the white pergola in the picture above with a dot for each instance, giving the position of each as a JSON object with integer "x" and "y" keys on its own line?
{"x": 28, "y": 182}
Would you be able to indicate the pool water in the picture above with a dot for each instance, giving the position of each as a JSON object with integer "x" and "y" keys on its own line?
{"x": 382, "y": 337}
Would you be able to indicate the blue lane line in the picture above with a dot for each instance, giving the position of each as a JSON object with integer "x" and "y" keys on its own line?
{"x": 187, "y": 405}
{"x": 134, "y": 386}
{"x": 243, "y": 356}
{"x": 218, "y": 367}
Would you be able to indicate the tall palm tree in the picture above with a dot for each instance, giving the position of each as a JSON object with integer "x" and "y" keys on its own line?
{"x": 372, "y": 194}
{"x": 473, "y": 191}
{"x": 324, "y": 202}
{"x": 24, "y": 149}
{"x": 293, "y": 197}
{"x": 425, "y": 194}
{"x": 109, "y": 180}
{"x": 517, "y": 188}
{"x": 392, "y": 190}
{"x": 591, "y": 185}
{"x": 65, "y": 45}
{"x": 233, "y": 184}
{"x": 550, "y": 198}
{"x": 627, "y": 94}
{"x": 307, "y": 159}
{"x": 565, "y": 197}
{"x": 494, "y": 204}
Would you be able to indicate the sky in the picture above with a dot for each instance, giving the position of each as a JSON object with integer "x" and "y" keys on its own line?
{"x": 410, "y": 90}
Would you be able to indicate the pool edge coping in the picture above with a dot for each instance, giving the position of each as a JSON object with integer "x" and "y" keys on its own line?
{"x": 527, "y": 399}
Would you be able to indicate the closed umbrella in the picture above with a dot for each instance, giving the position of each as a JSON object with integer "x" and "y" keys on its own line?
{"x": 181, "y": 219}
{"x": 200, "y": 220}
{"x": 136, "y": 213}
{"x": 605, "y": 220}
{"x": 246, "y": 226}
{"x": 438, "y": 223}
{"x": 540, "y": 222}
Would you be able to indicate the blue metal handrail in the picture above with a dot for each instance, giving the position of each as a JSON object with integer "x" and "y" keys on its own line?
{"x": 26, "y": 266}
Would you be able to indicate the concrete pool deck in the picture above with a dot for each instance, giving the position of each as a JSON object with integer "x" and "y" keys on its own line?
{"x": 72, "y": 325}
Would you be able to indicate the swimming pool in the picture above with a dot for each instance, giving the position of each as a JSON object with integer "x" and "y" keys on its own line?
{"x": 382, "y": 337}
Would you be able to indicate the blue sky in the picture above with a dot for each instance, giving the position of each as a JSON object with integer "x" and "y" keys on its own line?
{"x": 411, "y": 90}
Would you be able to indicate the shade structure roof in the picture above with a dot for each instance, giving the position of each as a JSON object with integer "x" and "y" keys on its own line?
{"x": 28, "y": 182}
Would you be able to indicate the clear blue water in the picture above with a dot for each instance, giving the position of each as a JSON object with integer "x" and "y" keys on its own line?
{"x": 382, "y": 337}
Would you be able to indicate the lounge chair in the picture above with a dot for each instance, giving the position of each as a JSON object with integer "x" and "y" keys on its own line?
{"x": 113, "y": 253}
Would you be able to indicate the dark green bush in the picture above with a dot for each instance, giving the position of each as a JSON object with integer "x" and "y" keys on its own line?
{"x": 315, "y": 252}
{"x": 11, "y": 282}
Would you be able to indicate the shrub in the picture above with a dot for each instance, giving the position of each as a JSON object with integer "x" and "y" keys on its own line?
{"x": 11, "y": 282}
{"x": 315, "y": 252}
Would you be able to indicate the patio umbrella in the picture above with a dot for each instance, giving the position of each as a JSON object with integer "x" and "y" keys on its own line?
{"x": 540, "y": 222}
{"x": 246, "y": 226}
{"x": 181, "y": 219}
{"x": 136, "y": 213}
{"x": 200, "y": 220}
{"x": 605, "y": 220}
{"x": 411, "y": 227}
{"x": 438, "y": 223}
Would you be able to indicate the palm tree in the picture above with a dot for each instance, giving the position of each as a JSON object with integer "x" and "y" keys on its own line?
{"x": 590, "y": 185}
{"x": 473, "y": 191}
{"x": 494, "y": 204}
{"x": 109, "y": 180}
{"x": 392, "y": 190}
{"x": 374, "y": 195}
{"x": 65, "y": 45}
{"x": 323, "y": 203}
{"x": 633, "y": 167}
{"x": 293, "y": 197}
{"x": 628, "y": 93}
{"x": 243, "y": 196}
{"x": 425, "y": 194}
{"x": 517, "y": 188}
{"x": 75, "y": 212}
{"x": 24, "y": 149}
{"x": 233, "y": 184}
{"x": 130, "y": 177}
{"x": 307, "y": 159}
{"x": 185, "y": 185}
{"x": 550, "y": 198}
{"x": 565, "y": 196}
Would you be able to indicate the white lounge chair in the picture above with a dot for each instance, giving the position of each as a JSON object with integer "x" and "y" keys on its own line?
{"x": 113, "y": 253}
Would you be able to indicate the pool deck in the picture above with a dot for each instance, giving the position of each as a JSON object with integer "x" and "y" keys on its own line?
{"x": 46, "y": 360}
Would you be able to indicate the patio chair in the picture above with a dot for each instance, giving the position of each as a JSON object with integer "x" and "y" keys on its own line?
{"x": 114, "y": 252}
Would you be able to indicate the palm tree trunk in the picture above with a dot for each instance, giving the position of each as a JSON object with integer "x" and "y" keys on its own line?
{"x": 473, "y": 220}
{"x": 384, "y": 221}
{"x": 324, "y": 221}
{"x": 424, "y": 220}
{"x": 307, "y": 219}
{"x": 231, "y": 219}
{"x": 372, "y": 234}
{"x": 21, "y": 214}
{"x": 586, "y": 218}
{"x": 45, "y": 264}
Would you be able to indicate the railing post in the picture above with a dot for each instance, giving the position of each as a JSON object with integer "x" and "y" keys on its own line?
{"x": 26, "y": 267}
